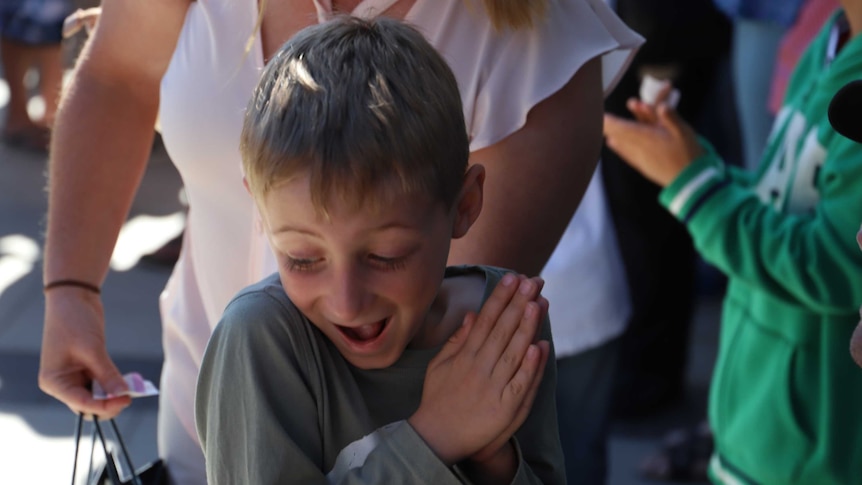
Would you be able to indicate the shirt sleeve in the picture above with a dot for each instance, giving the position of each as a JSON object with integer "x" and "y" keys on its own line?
{"x": 526, "y": 66}
{"x": 810, "y": 258}
{"x": 257, "y": 409}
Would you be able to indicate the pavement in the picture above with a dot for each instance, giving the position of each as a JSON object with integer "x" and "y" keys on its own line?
{"x": 36, "y": 431}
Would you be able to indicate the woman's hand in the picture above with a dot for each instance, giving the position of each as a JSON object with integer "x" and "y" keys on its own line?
{"x": 659, "y": 144}
{"x": 479, "y": 389}
{"x": 81, "y": 19}
{"x": 74, "y": 354}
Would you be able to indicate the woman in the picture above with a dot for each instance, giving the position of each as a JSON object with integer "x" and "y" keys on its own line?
{"x": 530, "y": 76}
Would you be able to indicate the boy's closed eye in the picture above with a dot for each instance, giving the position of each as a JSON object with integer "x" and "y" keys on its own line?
{"x": 389, "y": 263}
{"x": 300, "y": 264}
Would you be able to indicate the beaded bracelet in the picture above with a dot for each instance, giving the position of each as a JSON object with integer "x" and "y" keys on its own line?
{"x": 80, "y": 284}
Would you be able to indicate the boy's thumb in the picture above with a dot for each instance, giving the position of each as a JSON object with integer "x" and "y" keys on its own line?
{"x": 456, "y": 340}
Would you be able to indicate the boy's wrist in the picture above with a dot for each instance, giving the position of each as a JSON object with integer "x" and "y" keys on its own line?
{"x": 499, "y": 468}
{"x": 438, "y": 446}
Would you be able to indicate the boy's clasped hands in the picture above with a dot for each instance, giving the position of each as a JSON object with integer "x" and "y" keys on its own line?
{"x": 480, "y": 388}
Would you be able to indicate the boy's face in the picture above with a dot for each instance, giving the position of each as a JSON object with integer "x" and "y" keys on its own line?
{"x": 366, "y": 277}
{"x": 856, "y": 339}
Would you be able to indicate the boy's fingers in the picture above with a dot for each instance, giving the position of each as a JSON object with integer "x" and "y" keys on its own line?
{"x": 679, "y": 129}
{"x": 545, "y": 306}
{"x": 457, "y": 340}
{"x": 540, "y": 283}
{"x": 620, "y": 128}
{"x": 513, "y": 355}
{"x": 507, "y": 324}
{"x": 643, "y": 112}
{"x": 527, "y": 405}
{"x": 669, "y": 119}
{"x": 491, "y": 311}
{"x": 519, "y": 387}
{"x": 610, "y": 124}
{"x": 530, "y": 397}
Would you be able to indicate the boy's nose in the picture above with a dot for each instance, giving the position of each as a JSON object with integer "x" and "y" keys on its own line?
{"x": 347, "y": 298}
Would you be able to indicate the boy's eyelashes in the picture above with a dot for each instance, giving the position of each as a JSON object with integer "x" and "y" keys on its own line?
{"x": 309, "y": 264}
{"x": 388, "y": 263}
{"x": 299, "y": 264}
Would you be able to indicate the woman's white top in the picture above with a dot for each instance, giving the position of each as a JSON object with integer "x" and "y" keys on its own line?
{"x": 203, "y": 97}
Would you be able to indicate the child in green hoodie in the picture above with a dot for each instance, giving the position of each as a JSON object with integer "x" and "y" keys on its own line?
{"x": 785, "y": 397}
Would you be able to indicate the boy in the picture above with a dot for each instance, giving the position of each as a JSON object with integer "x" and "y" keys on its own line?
{"x": 785, "y": 396}
{"x": 362, "y": 361}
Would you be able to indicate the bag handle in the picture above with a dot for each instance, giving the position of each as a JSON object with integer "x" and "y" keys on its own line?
{"x": 109, "y": 457}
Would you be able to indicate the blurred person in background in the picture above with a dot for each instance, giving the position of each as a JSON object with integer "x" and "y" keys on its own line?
{"x": 758, "y": 29}
{"x": 785, "y": 395}
{"x": 31, "y": 38}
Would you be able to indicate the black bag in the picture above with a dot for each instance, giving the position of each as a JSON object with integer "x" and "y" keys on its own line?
{"x": 153, "y": 473}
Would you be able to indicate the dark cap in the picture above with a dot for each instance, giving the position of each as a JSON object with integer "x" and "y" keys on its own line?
{"x": 845, "y": 111}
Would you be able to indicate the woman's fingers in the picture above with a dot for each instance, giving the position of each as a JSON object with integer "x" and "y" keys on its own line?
{"x": 73, "y": 388}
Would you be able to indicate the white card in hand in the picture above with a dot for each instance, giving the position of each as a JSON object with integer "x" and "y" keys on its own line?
{"x": 138, "y": 387}
{"x": 650, "y": 87}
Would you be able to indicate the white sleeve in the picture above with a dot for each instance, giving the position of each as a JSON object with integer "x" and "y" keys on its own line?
{"x": 503, "y": 74}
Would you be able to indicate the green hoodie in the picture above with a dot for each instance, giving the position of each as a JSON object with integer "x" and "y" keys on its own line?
{"x": 786, "y": 398}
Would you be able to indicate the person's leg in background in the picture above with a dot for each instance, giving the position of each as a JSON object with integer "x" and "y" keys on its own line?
{"x": 16, "y": 63}
{"x": 31, "y": 33}
{"x": 583, "y": 414}
{"x": 49, "y": 61}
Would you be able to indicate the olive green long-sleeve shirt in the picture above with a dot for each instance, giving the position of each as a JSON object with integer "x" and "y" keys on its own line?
{"x": 277, "y": 403}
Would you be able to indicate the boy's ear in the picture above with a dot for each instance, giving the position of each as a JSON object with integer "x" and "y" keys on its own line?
{"x": 469, "y": 202}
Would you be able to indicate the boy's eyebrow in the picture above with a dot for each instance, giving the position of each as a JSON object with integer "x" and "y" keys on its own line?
{"x": 381, "y": 227}
{"x": 288, "y": 228}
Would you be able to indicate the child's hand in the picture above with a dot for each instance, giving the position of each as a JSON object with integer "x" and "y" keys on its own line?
{"x": 479, "y": 389}
{"x": 659, "y": 145}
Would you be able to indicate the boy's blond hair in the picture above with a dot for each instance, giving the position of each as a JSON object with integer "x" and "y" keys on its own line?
{"x": 365, "y": 108}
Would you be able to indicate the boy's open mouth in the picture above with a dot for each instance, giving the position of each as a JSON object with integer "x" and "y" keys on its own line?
{"x": 364, "y": 333}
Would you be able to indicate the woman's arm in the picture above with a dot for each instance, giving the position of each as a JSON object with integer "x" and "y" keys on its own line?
{"x": 536, "y": 178}
{"x": 101, "y": 143}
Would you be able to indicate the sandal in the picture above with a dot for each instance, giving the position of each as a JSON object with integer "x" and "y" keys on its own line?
{"x": 683, "y": 457}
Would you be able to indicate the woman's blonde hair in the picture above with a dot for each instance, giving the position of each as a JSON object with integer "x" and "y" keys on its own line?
{"x": 513, "y": 14}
